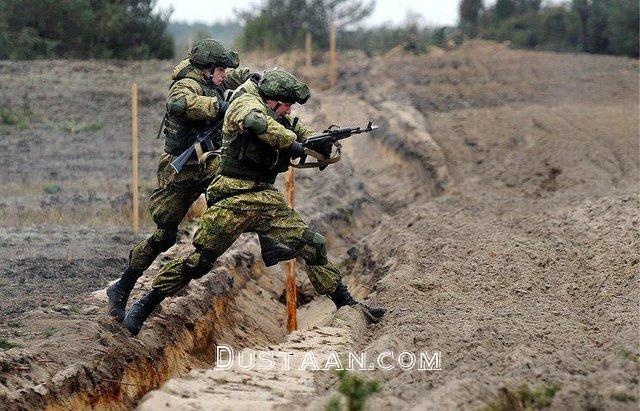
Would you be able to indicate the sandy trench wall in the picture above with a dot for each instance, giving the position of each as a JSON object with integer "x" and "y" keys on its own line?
{"x": 180, "y": 335}
{"x": 509, "y": 238}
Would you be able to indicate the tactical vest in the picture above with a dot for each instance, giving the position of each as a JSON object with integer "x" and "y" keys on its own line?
{"x": 247, "y": 157}
{"x": 181, "y": 133}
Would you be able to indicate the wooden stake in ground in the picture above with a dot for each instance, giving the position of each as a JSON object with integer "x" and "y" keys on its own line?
{"x": 134, "y": 158}
{"x": 308, "y": 52}
{"x": 333, "y": 60}
{"x": 290, "y": 278}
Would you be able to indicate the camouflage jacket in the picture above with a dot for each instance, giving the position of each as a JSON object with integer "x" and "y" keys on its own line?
{"x": 193, "y": 104}
{"x": 258, "y": 157}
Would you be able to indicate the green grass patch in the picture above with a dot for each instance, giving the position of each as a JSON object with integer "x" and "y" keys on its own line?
{"x": 49, "y": 331}
{"x": 52, "y": 189}
{"x": 19, "y": 118}
{"x": 6, "y": 344}
{"x": 355, "y": 389}
{"x": 75, "y": 127}
{"x": 524, "y": 398}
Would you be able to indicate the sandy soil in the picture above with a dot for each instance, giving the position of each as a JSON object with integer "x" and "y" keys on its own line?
{"x": 494, "y": 213}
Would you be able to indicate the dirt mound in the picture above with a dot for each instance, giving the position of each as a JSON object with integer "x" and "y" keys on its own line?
{"x": 494, "y": 213}
{"x": 521, "y": 267}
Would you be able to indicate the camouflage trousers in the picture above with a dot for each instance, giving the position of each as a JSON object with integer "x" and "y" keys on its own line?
{"x": 169, "y": 203}
{"x": 237, "y": 206}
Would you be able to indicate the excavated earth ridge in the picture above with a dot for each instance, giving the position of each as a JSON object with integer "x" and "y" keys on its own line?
{"x": 494, "y": 213}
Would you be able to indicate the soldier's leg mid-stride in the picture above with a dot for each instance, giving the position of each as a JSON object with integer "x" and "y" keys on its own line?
{"x": 195, "y": 105}
{"x": 169, "y": 203}
{"x": 264, "y": 212}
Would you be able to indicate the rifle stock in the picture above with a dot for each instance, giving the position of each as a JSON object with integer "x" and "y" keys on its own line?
{"x": 204, "y": 140}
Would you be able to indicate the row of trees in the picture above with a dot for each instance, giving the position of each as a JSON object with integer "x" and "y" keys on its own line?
{"x": 412, "y": 35}
{"x": 282, "y": 24}
{"x": 131, "y": 29}
{"x": 123, "y": 29}
{"x": 594, "y": 26}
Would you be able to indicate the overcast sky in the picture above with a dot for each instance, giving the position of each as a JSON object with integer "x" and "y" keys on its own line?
{"x": 436, "y": 12}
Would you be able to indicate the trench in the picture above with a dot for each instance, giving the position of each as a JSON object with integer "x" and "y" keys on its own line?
{"x": 239, "y": 303}
{"x": 184, "y": 333}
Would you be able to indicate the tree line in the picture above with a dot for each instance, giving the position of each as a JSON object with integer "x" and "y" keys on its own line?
{"x": 593, "y": 26}
{"x": 121, "y": 29}
{"x": 132, "y": 29}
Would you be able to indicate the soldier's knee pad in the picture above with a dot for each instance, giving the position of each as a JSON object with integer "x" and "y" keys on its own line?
{"x": 163, "y": 238}
{"x": 319, "y": 243}
{"x": 198, "y": 264}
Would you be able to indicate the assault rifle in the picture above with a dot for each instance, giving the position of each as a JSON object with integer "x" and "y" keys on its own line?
{"x": 202, "y": 145}
{"x": 333, "y": 135}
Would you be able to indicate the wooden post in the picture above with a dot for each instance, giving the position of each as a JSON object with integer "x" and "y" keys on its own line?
{"x": 134, "y": 158}
{"x": 307, "y": 47}
{"x": 290, "y": 277}
{"x": 333, "y": 61}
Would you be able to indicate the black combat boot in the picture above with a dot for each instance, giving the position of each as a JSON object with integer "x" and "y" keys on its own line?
{"x": 140, "y": 311}
{"x": 342, "y": 297}
{"x": 118, "y": 293}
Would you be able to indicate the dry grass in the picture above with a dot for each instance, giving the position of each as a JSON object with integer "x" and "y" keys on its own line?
{"x": 81, "y": 185}
{"x": 87, "y": 202}
{"x": 94, "y": 217}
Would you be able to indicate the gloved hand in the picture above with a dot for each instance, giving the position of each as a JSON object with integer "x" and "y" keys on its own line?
{"x": 296, "y": 150}
{"x": 323, "y": 148}
{"x": 223, "y": 106}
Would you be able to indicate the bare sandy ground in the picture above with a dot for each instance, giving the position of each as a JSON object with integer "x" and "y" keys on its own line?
{"x": 495, "y": 213}
{"x": 507, "y": 236}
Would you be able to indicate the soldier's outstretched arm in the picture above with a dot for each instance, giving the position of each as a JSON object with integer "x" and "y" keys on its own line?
{"x": 186, "y": 100}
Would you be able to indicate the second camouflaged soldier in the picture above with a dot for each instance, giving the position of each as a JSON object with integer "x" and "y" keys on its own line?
{"x": 258, "y": 142}
{"x": 195, "y": 103}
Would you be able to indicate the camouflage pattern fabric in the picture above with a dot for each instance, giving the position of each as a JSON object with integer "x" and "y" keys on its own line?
{"x": 282, "y": 86}
{"x": 250, "y": 102}
{"x": 246, "y": 206}
{"x": 243, "y": 205}
{"x": 211, "y": 53}
{"x": 193, "y": 103}
{"x": 200, "y": 97}
{"x": 169, "y": 203}
{"x": 175, "y": 192}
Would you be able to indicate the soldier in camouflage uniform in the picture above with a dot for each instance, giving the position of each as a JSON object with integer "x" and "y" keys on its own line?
{"x": 258, "y": 142}
{"x": 195, "y": 103}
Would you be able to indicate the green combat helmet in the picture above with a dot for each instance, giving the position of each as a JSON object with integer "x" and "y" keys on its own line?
{"x": 210, "y": 53}
{"x": 282, "y": 86}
